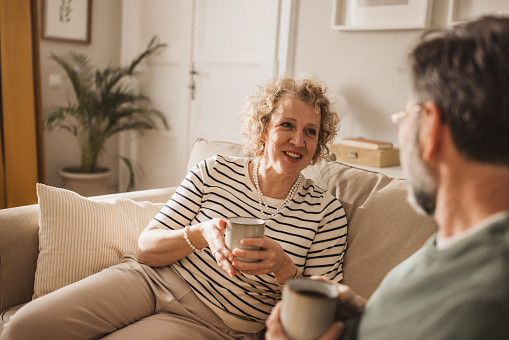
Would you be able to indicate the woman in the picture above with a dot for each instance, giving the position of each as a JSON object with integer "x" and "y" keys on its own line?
{"x": 183, "y": 280}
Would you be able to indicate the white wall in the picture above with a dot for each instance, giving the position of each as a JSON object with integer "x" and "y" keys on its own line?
{"x": 365, "y": 67}
{"x": 61, "y": 148}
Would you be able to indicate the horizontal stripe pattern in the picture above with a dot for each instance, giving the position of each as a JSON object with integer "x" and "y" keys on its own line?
{"x": 312, "y": 230}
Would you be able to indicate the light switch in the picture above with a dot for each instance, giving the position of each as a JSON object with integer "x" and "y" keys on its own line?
{"x": 55, "y": 80}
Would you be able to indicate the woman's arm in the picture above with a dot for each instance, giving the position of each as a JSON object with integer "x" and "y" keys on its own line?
{"x": 163, "y": 242}
{"x": 161, "y": 247}
{"x": 325, "y": 256}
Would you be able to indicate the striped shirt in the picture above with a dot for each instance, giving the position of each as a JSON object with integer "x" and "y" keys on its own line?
{"x": 311, "y": 229}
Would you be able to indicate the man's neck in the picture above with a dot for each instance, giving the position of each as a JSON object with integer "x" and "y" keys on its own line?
{"x": 469, "y": 194}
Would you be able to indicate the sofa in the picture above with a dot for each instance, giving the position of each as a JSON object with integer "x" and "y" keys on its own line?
{"x": 67, "y": 237}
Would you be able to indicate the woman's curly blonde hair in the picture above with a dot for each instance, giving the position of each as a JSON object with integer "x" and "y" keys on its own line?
{"x": 258, "y": 110}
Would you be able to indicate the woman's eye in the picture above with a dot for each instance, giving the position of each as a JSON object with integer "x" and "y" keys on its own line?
{"x": 311, "y": 132}
{"x": 287, "y": 125}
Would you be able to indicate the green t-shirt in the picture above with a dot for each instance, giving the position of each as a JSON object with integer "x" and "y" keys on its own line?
{"x": 461, "y": 292}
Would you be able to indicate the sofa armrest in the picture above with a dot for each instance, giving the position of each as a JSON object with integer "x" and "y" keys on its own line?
{"x": 19, "y": 247}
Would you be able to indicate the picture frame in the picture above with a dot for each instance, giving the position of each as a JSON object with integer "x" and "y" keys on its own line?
{"x": 357, "y": 15}
{"x": 464, "y": 10}
{"x": 67, "y": 20}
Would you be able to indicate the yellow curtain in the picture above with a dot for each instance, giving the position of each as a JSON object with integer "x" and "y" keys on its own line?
{"x": 21, "y": 138}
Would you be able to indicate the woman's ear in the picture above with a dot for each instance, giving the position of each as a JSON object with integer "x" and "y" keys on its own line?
{"x": 431, "y": 131}
{"x": 263, "y": 135}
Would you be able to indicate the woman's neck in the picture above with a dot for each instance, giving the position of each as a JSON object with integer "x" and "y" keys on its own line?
{"x": 272, "y": 184}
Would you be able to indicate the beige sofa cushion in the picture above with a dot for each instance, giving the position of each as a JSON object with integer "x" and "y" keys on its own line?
{"x": 383, "y": 228}
{"x": 203, "y": 149}
{"x": 80, "y": 236}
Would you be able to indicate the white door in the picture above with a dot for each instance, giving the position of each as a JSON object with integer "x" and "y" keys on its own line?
{"x": 230, "y": 44}
{"x": 234, "y": 49}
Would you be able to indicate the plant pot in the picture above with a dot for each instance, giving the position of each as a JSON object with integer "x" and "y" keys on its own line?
{"x": 86, "y": 184}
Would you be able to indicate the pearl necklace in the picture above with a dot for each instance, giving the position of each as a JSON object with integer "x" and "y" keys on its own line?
{"x": 261, "y": 198}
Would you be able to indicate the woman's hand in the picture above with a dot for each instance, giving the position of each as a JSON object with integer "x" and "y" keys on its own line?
{"x": 213, "y": 233}
{"x": 272, "y": 256}
{"x": 275, "y": 329}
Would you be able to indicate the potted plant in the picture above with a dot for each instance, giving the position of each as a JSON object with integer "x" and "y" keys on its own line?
{"x": 105, "y": 105}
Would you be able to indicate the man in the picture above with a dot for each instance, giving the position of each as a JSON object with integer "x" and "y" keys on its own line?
{"x": 454, "y": 139}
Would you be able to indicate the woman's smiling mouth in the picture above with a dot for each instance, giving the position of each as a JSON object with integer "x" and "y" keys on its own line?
{"x": 292, "y": 155}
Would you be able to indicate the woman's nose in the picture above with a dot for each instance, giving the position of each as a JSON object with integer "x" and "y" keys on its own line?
{"x": 298, "y": 139}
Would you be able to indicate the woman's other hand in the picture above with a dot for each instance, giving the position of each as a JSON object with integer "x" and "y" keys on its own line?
{"x": 272, "y": 258}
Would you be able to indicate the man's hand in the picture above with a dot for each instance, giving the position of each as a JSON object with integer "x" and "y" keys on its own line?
{"x": 275, "y": 329}
{"x": 350, "y": 304}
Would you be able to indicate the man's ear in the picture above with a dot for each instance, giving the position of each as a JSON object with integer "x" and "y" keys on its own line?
{"x": 431, "y": 131}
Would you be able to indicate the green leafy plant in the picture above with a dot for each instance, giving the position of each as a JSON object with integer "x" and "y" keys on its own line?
{"x": 105, "y": 105}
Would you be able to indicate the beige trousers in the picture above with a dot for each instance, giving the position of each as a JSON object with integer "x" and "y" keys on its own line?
{"x": 126, "y": 301}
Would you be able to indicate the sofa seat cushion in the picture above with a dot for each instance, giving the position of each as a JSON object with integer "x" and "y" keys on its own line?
{"x": 80, "y": 236}
{"x": 383, "y": 229}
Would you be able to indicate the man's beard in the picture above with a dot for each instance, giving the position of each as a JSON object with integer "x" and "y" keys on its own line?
{"x": 422, "y": 185}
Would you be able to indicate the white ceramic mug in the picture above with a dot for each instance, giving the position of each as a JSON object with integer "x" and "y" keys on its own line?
{"x": 238, "y": 228}
{"x": 309, "y": 308}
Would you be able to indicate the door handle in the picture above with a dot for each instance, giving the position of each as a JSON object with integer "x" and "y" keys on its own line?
{"x": 193, "y": 74}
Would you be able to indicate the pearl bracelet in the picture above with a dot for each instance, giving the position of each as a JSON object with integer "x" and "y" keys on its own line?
{"x": 196, "y": 250}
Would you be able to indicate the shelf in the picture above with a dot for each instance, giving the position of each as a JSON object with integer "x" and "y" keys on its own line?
{"x": 390, "y": 171}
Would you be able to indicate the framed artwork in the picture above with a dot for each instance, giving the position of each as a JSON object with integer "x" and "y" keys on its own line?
{"x": 465, "y": 10}
{"x": 356, "y": 15}
{"x": 67, "y": 20}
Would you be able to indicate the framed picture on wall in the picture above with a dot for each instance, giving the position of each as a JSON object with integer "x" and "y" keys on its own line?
{"x": 465, "y": 10}
{"x": 356, "y": 15}
{"x": 67, "y": 20}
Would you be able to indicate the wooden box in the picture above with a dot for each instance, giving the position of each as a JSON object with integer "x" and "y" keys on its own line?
{"x": 377, "y": 158}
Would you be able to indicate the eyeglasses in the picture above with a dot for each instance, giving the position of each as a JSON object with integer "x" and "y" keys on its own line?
{"x": 398, "y": 117}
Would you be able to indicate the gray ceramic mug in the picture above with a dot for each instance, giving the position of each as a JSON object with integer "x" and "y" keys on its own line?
{"x": 238, "y": 228}
{"x": 309, "y": 308}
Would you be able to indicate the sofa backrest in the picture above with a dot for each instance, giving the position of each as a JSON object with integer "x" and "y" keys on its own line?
{"x": 203, "y": 149}
{"x": 383, "y": 228}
